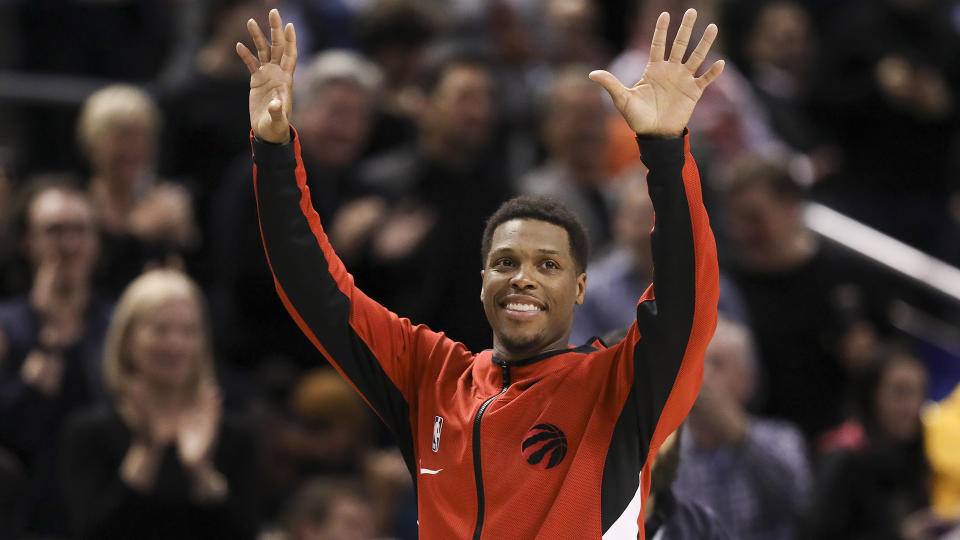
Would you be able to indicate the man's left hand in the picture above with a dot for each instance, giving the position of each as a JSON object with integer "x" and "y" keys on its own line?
{"x": 660, "y": 104}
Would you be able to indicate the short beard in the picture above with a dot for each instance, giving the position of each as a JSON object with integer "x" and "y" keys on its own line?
{"x": 520, "y": 345}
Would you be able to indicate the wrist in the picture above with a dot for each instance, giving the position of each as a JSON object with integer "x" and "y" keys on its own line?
{"x": 275, "y": 138}
{"x": 660, "y": 135}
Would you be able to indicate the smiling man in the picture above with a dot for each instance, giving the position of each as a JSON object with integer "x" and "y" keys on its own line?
{"x": 533, "y": 438}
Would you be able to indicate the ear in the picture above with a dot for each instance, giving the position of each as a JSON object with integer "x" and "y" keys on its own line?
{"x": 482, "y": 273}
{"x": 581, "y": 288}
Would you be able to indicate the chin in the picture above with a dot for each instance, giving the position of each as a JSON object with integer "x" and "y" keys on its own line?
{"x": 520, "y": 343}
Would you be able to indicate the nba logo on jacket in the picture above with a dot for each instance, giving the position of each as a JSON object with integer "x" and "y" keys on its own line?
{"x": 437, "y": 426}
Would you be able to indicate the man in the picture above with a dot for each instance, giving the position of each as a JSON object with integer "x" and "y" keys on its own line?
{"x": 335, "y": 96}
{"x": 808, "y": 301}
{"x": 576, "y": 140}
{"x": 416, "y": 255}
{"x": 751, "y": 471}
{"x": 50, "y": 364}
{"x": 620, "y": 276}
{"x": 669, "y": 517}
{"x": 532, "y": 438}
{"x": 326, "y": 509}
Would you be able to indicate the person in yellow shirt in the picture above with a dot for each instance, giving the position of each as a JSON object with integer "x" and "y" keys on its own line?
{"x": 941, "y": 422}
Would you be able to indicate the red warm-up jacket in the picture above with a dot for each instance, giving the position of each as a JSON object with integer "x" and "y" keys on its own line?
{"x": 556, "y": 446}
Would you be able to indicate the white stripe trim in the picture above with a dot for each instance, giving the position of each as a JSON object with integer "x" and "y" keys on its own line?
{"x": 626, "y": 526}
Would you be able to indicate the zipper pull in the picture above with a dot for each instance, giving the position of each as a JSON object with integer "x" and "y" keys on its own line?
{"x": 506, "y": 374}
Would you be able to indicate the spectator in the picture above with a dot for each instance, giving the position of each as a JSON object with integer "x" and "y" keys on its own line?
{"x": 333, "y": 112}
{"x": 162, "y": 460}
{"x": 942, "y": 439}
{"x": 873, "y": 481}
{"x": 669, "y": 517}
{"x": 576, "y": 144}
{"x": 891, "y": 103}
{"x": 144, "y": 222}
{"x": 620, "y": 276}
{"x": 780, "y": 50}
{"x": 330, "y": 510}
{"x": 729, "y": 119}
{"x": 805, "y": 299}
{"x": 573, "y": 37}
{"x": 50, "y": 340}
{"x": 439, "y": 192}
{"x": 202, "y": 133}
{"x": 324, "y": 428}
{"x": 395, "y": 35}
{"x": 751, "y": 471}
{"x": 328, "y": 430}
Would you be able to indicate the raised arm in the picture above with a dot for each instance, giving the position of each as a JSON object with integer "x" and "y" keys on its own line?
{"x": 677, "y": 315}
{"x": 382, "y": 355}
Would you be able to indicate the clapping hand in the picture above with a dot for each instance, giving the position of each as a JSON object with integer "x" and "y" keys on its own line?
{"x": 197, "y": 428}
{"x": 660, "y": 104}
{"x": 271, "y": 78}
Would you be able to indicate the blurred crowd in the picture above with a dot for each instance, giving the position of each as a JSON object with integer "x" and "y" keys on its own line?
{"x": 153, "y": 386}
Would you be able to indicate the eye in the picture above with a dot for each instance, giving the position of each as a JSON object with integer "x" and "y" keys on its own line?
{"x": 550, "y": 265}
{"x": 503, "y": 263}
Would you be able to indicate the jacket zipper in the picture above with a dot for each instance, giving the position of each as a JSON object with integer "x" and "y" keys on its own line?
{"x": 477, "y": 472}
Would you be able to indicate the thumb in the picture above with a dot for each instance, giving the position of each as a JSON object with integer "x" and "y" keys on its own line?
{"x": 607, "y": 80}
{"x": 275, "y": 108}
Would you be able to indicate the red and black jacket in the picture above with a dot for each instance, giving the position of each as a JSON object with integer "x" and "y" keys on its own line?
{"x": 556, "y": 446}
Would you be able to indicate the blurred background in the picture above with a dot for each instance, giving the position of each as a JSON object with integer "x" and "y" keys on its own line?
{"x": 134, "y": 294}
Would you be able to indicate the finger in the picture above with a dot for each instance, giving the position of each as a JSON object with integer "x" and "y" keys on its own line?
{"x": 700, "y": 53}
{"x": 263, "y": 48}
{"x": 680, "y": 42}
{"x": 277, "y": 41}
{"x": 715, "y": 70}
{"x": 658, "y": 48}
{"x": 248, "y": 58}
{"x": 609, "y": 83}
{"x": 289, "y": 61}
{"x": 276, "y": 109}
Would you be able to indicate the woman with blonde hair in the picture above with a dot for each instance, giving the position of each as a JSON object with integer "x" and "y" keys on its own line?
{"x": 146, "y": 221}
{"x": 162, "y": 461}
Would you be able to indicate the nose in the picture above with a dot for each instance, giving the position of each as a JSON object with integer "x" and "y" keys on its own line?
{"x": 521, "y": 280}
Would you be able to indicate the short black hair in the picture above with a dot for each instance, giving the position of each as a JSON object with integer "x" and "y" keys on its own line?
{"x": 541, "y": 209}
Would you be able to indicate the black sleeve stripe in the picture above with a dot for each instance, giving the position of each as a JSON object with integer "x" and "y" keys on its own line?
{"x": 312, "y": 295}
{"x": 665, "y": 326}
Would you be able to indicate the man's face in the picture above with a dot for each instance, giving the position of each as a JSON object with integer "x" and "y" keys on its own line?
{"x": 530, "y": 287}
{"x": 726, "y": 364}
{"x": 574, "y": 131}
{"x": 124, "y": 152}
{"x": 335, "y": 123}
{"x": 760, "y": 220}
{"x": 61, "y": 230}
{"x": 461, "y": 108}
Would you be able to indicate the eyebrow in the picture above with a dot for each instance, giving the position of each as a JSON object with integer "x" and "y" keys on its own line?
{"x": 511, "y": 250}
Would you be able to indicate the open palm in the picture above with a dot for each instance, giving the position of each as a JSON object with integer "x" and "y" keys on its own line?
{"x": 271, "y": 78}
{"x": 662, "y": 102}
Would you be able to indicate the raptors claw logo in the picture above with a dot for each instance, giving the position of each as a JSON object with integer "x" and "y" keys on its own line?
{"x": 544, "y": 446}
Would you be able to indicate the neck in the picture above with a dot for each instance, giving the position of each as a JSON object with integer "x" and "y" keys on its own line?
{"x": 511, "y": 355}
{"x": 167, "y": 398}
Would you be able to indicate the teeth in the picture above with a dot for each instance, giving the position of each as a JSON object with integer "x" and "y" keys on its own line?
{"x": 522, "y": 307}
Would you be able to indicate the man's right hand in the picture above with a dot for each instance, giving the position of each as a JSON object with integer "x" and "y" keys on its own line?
{"x": 271, "y": 78}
